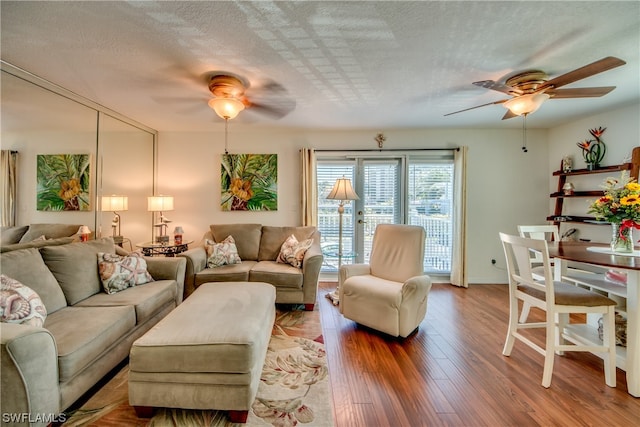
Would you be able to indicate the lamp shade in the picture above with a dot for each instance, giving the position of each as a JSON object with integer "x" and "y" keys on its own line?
{"x": 115, "y": 203}
{"x": 342, "y": 190}
{"x": 226, "y": 108}
{"x": 525, "y": 104}
{"x": 159, "y": 203}
{"x": 84, "y": 229}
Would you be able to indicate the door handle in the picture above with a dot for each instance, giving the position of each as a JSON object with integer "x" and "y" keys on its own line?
{"x": 361, "y": 221}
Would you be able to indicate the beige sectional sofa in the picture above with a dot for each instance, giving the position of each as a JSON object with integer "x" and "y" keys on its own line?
{"x": 86, "y": 333}
{"x": 258, "y": 247}
{"x": 37, "y": 235}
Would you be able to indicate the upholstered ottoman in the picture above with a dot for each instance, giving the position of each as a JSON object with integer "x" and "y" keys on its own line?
{"x": 208, "y": 353}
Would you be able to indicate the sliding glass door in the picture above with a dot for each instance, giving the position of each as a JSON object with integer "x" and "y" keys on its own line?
{"x": 396, "y": 189}
{"x": 379, "y": 187}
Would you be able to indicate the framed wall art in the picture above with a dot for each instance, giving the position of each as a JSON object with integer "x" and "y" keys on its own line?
{"x": 249, "y": 182}
{"x": 63, "y": 182}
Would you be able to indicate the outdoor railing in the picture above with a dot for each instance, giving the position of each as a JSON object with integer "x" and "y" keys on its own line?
{"x": 437, "y": 258}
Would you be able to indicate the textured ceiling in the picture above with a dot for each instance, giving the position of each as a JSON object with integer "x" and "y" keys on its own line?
{"x": 351, "y": 65}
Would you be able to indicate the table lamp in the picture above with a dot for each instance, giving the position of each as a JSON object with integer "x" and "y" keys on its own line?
{"x": 115, "y": 203}
{"x": 160, "y": 204}
{"x": 84, "y": 232}
{"x": 342, "y": 190}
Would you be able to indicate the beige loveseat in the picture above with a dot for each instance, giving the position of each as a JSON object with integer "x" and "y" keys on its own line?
{"x": 258, "y": 247}
{"x": 86, "y": 333}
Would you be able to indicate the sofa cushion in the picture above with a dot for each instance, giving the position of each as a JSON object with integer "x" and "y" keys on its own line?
{"x": 11, "y": 235}
{"x": 246, "y": 236}
{"x": 292, "y": 252}
{"x": 273, "y": 238}
{"x": 223, "y": 253}
{"x": 83, "y": 334}
{"x": 75, "y": 267}
{"x": 147, "y": 299}
{"x": 50, "y": 231}
{"x": 27, "y": 267}
{"x": 279, "y": 275}
{"x": 37, "y": 243}
{"x": 19, "y": 303}
{"x": 226, "y": 273}
{"x": 118, "y": 273}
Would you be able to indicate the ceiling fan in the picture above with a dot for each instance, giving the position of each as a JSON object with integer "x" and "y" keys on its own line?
{"x": 233, "y": 94}
{"x": 529, "y": 89}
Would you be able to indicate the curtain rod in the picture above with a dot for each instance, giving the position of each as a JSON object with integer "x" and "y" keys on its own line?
{"x": 395, "y": 149}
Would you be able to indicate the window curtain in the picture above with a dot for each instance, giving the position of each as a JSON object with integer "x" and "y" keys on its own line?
{"x": 9, "y": 187}
{"x": 459, "y": 250}
{"x": 309, "y": 196}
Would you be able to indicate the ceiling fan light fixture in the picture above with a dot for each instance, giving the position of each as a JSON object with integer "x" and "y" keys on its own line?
{"x": 226, "y": 108}
{"x": 525, "y": 104}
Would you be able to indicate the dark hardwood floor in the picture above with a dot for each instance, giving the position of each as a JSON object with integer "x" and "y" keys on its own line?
{"x": 452, "y": 371}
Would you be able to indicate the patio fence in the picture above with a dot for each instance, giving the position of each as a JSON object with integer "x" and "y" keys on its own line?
{"x": 437, "y": 258}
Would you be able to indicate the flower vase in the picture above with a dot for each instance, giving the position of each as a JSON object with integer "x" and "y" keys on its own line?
{"x": 592, "y": 166}
{"x": 621, "y": 241}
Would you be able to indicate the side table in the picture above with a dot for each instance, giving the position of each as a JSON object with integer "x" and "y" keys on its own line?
{"x": 334, "y": 296}
{"x": 166, "y": 249}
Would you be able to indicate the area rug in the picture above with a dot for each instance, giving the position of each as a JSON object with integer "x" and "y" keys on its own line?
{"x": 294, "y": 387}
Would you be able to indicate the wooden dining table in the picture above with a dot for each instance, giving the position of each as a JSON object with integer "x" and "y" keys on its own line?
{"x": 593, "y": 254}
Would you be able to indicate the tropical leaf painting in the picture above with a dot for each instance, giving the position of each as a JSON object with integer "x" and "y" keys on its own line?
{"x": 249, "y": 182}
{"x": 63, "y": 182}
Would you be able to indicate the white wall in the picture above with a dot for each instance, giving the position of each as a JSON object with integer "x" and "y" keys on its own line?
{"x": 622, "y": 134}
{"x": 505, "y": 185}
{"x": 29, "y": 145}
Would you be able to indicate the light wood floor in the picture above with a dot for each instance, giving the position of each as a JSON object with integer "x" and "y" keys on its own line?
{"x": 452, "y": 371}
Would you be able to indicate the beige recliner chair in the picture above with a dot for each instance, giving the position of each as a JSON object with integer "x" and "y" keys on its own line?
{"x": 390, "y": 293}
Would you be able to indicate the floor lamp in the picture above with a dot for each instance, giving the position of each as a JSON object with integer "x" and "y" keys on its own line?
{"x": 342, "y": 190}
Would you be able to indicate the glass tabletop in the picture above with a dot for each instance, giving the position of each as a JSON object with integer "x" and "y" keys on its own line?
{"x": 344, "y": 254}
{"x": 169, "y": 244}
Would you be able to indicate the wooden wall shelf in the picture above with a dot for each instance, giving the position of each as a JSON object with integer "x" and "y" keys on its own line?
{"x": 633, "y": 167}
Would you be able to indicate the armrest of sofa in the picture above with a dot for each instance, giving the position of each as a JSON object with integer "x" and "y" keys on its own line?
{"x": 350, "y": 270}
{"x": 196, "y": 262}
{"x": 168, "y": 268}
{"x": 418, "y": 285}
{"x": 29, "y": 371}
{"x": 311, "y": 265}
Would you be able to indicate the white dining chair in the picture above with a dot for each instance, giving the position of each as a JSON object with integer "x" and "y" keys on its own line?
{"x": 557, "y": 300}
{"x": 548, "y": 232}
{"x": 574, "y": 274}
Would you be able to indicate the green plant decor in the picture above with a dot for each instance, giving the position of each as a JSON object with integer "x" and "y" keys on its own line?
{"x": 249, "y": 182}
{"x": 63, "y": 182}
{"x": 593, "y": 150}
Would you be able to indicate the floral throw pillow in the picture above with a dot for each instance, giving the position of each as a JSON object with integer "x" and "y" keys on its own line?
{"x": 20, "y": 304}
{"x": 223, "y": 253}
{"x": 292, "y": 252}
{"x": 118, "y": 273}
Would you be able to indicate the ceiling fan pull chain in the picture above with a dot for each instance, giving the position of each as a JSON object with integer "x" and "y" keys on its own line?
{"x": 524, "y": 133}
{"x": 226, "y": 124}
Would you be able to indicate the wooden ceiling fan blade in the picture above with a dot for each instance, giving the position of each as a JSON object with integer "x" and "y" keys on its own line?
{"x": 509, "y": 115}
{"x": 589, "y": 70}
{"x": 585, "y": 92}
{"x": 274, "y": 111}
{"x": 490, "y": 84}
{"x": 477, "y": 106}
